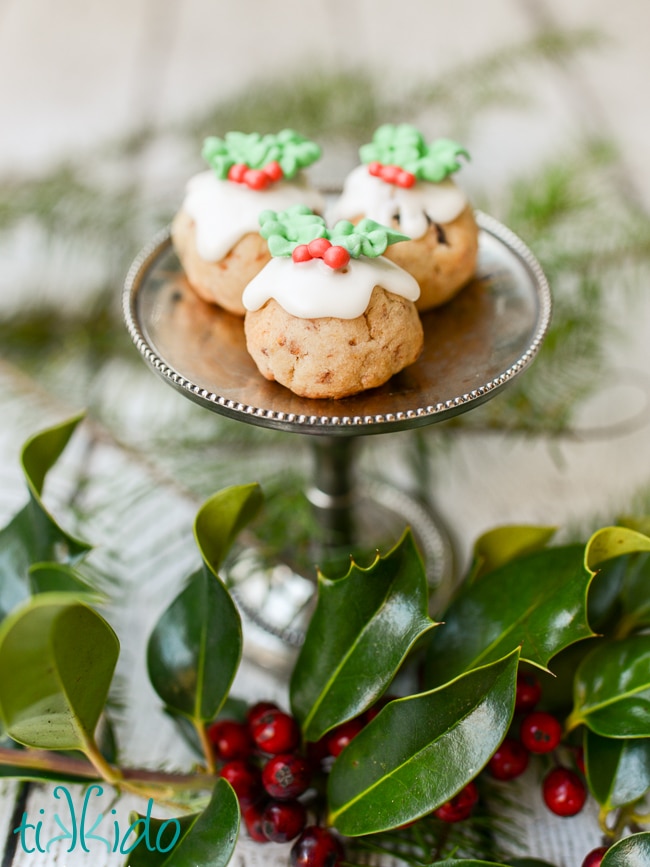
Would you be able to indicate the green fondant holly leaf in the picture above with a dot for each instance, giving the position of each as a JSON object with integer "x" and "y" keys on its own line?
{"x": 285, "y": 230}
{"x": 399, "y": 145}
{"x": 367, "y": 238}
{"x": 440, "y": 160}
{"x": 291, "y": 150}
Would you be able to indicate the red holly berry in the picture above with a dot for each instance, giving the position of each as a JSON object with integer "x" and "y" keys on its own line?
{"x": 579, "y": 758}
{"x": 509, "y": 761}
{"x": 316, "y": 847}
{"x": 283, "y": 820}
{"x": 252, "y": 816}
{"x": 245, "y": 778}
{"x": 540, "y": 732}
{"x": 340, "y": 737}
{"x": 336, "y": 257}
{"x": 460, "y": 806}
{"x": 318, "y": 246}
{"x": 595, "y": 857}
{"x": 236, "y": 173}
{"x": 286, "y": 776}
{"x": 256, "y": 710}
{"x": 301, "y": 253}
{"x": 404, "y": 179}
{"x": 256, "y": 179}
{"x": 529, "y": 691}
{"x": 230, "y": 739}
{"x": 275, "y": 732}
{"x": 273, "y": 170}
{"x": 564, "y": 792}
{"x": 375, "y": 168}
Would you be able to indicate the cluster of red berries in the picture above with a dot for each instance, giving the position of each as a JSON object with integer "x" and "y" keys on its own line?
{"x": 262, "y": 761}
{"x": 563, "y": 789}
{"x": 392, "y": 174}
{"x": 256, "y": 179}
{"x": 321, "y": 248}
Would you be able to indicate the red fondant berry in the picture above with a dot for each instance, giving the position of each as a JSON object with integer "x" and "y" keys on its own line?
{"x": 252, "y": 816}
{"x": 318, "y": 246}
{"x": 256, "y": 179}
{"x": 340, "y": 737}
{"x": 236, "y": 173}
{"x": 375, "y": 168}
{"x": 316, "y": 847}
{"x": 286, "y": 776}
{"x": 595, "y": 857}
{"x": 529, "y": 691}
{"x": 404, "y": 179}
{"x": 460, "y": 806}
{"x": 283, "y": 820}
{"x": 275, "y": 732}
{"x": 509, "y": 761}
{"x": 540, "y": 732}
{"x": 564, "y": 792}
{"x": 245, "y": 778}
{"x": 389, "y": 174}
{"x": 273, "y": 170}
{"x": 336, "y": 257}
{"x": 230, "y": 739}
{"x": 301, "y": 253}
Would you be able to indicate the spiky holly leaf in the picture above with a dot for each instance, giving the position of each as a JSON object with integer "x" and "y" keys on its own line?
{"x": 503, "y": 544}
{"x": 633, "y": 851}
{"x": 537, "y": 602}
{"x": 363, "y": 626}
{"x": 618, "y": 770}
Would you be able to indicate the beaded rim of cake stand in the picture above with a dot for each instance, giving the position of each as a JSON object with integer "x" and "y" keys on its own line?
{"x": 328, "y": 423}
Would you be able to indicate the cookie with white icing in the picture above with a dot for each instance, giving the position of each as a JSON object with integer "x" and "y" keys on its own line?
{"x": 405, "y": 183}
{"x": 215, "y": 233}
{"x": 329, "y": 315}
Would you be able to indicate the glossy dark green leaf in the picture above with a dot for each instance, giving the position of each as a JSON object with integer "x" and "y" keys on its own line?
{"x": 60, "y": 578}
{"x": 364, "y": 625}
{"x": 33, "y": 535}
{"x": 612, "y": 689}
{"x": 618, "y": 769}
{"x": 611, "y": 542}
{"x": 195, "y": 648}
{"x": 57, "y": 658}
{"x": 635, "y": 592}
{"x": 537, "y": 602}
{"x": 529, "y": 862}
{"x": 420, "y": 751}
{"x": 633, "y": 851}
{"x": 221, "y": 518}
{"x": 205, "y": 839}
{"x": 504, "y": 544}
{"x": 469, "y": 862}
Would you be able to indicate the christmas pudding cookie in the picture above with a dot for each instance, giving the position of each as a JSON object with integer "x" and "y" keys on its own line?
{"x": 405, "y": 183}
{"x": 215, "y": 233}
{"x": 329, "y": 315}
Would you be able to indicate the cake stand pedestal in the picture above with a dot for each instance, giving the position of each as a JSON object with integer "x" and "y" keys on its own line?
{"x": 473, "y": 347}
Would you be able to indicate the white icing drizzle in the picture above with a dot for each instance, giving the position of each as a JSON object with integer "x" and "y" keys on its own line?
{"x": 369, "y": 196}
{"x": 311, "y": 290}
{"x": 224, "y": 211}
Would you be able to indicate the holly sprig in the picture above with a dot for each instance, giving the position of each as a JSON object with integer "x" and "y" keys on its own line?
{"x": 257, "y": 160}
{"x": 398, "y": 154}
{"x": 580, "y": 611}
{"x": 299, "y": 232}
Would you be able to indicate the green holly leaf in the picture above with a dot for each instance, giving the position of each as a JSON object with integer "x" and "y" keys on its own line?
{"x": 612, "y": 689}
{"x": 61, "y": 578}
{"x": 633, "y": 851}
{"x": 504, "y": 544}
{"x": 195, "y": 648}
{"x": 440, "y": 160}
{"x": 537, "y": 602}
{"x": 618, "y": 770}
{"x": 470, "y": 862}
{"x": 529, "y": 862}
{"x": 420, "y": 751}
{"x": 33, "y": 536}
{"x": 611, "y": 542}
{"x": 363, "y": 627}
{"x": 207, "y": 839}
{"x": 57, "y": 658}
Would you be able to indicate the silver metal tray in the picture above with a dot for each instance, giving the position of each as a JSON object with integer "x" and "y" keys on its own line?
{"x": 473, "y": 347}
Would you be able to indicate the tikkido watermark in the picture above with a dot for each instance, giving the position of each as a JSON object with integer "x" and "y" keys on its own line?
{"x": 86, "y": 828}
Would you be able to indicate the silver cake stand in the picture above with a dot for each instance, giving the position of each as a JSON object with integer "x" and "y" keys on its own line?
{"x": 474, "y": 346}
